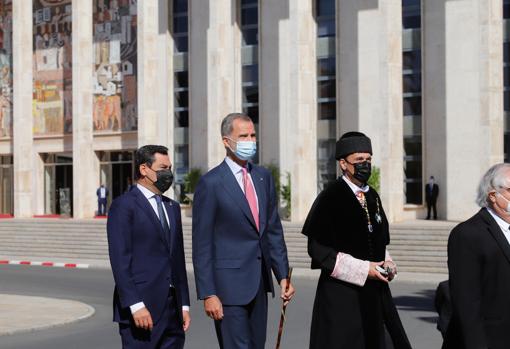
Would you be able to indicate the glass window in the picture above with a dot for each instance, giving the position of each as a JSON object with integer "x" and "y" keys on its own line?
{"x": 250, "y": 36}
{"x": 326, "y": 66}
{"x": 181, "y": 24}
{"x": 325, "y": 8}
{"x": 326, "y": 27}
{"x": 253, "y": 113}
{"x": 327, "y": 89}
{"x": 506, "y": 75}
{"x": 412, "y": 22}
{"x": 412, "y": 147}
{"x": 249, "y": 2}
{"x": 412, "y": 60}
{"x": 507, "y": 100}
{"x": 181, "y": 79}
{"x": 412, "y": 83}
{"x": 180, "y": 6}
{"x": 413, "y": 193}
{"x": 412, "y": 105}
{"x": 250, "y": 72}
{"x": 412, "y": 169}
{"x": 182, "y": 118}
{"x": 249, "y": 16}
{"x": 251, "y": 94}
{"x": 181, "y": 43}
{"x": 506, "y": 9}
{"x": 181, "y": 99}
{"x": 327, "y": 111}
{"x": 506, "y": 52}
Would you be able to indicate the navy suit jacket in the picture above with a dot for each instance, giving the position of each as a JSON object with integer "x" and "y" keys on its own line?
{"x": 143, "y": 265}
{"x": 227, "y": 248}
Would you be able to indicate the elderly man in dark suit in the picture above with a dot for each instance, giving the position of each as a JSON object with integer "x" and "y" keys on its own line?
{"x": 238, "y": 240}
{"x": 151, "y": 298}
{"x": 479, "y": 269}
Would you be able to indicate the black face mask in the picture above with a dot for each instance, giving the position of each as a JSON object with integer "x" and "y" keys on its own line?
{"x": 164, "y": 180}
{"x": 362, "y": 171}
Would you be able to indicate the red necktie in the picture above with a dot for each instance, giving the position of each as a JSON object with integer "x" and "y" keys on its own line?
{"x": 249, "y": 192}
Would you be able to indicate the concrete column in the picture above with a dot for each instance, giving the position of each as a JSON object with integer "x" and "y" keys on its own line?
{"x": 22, "y": 109}
{"x": 153, "y": 121}
{"x": 213, "y": 76}
{"x": 85, "y": 161}
{"x": 462, "y": 98}
{"x": 288, "y": 96}
{"x": 369, "y": 87}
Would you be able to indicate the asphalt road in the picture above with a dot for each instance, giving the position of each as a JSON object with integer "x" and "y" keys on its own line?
{"x": 94, "y": 287}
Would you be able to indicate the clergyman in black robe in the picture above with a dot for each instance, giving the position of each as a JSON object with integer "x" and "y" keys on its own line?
{"x": 347, "y": 232}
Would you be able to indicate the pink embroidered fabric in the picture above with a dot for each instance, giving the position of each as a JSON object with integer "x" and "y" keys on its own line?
{"x": 350, "y": 269}
{"x": 353, "y": 270}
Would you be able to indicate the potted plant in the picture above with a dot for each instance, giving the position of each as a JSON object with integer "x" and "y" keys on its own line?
{"x": 190, "y": 183}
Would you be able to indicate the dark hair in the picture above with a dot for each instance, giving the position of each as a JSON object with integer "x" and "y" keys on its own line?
{"x": 145, "y": 155}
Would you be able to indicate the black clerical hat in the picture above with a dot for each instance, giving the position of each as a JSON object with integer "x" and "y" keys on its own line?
{"x": 352, "y": 142}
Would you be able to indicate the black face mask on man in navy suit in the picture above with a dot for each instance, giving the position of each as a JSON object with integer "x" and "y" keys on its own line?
{"x": 164, "y": 179}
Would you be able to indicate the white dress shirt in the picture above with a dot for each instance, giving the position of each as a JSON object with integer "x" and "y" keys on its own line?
{"x": 151, "y": 197}
{"x": 237, "y": 171}
{"x": 102, "y": 192}
{"x": 505, "y": 227}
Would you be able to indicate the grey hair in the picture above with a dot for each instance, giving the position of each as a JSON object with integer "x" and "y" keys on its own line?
{"x": 227, "y": 125}
{"x": 493, "y": 180}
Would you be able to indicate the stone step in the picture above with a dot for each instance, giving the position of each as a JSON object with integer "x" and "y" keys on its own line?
{"x": 414, "y": 247}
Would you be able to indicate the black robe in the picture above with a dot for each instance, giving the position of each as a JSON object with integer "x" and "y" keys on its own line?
{"x": 346, "y": 315}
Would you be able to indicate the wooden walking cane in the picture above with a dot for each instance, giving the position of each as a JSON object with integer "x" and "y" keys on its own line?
{"x": 282, "y": 316}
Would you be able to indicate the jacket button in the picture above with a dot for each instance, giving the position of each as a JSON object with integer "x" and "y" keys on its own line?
{"x": 258, "y": 257}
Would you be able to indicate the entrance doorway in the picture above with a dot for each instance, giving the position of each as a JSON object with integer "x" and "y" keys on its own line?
{"x": 58, "y": 184}
{"x": 116, "y": 172}
{"x": 6, "y": 185}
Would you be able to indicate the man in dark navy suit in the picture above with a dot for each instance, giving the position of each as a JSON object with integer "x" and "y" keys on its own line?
{"x": 102, "y": 200}
{"x": 151, "y": 297}
{"x": 431, "y": 194}
{"x": 238, "y": 240}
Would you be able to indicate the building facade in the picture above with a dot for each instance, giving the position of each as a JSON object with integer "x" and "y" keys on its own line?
{"x": 84, "y": 83}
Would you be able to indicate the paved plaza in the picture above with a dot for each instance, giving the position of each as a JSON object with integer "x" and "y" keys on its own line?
{"x": 413, "y": 294}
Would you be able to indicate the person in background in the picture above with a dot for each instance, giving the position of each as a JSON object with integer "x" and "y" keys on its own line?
{"x": 102, "y": 200}
{"x": 431, "y": 194}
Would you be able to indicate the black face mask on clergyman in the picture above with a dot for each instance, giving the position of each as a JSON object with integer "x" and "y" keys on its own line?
{"x": 362, "y": 171}
{"x": 164, "y": 179}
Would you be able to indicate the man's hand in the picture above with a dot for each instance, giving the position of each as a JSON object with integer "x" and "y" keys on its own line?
{"x": 213, "y": 307}
{"x": 374, "y": 274}
{"x": 143, "y": 319}
{"x": 393, "y": 267}
{"x": 286, "y": 295}
{"x": 186, "y": 320}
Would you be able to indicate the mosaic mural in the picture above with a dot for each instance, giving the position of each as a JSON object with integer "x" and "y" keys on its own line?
{"x": 52, "y": 90}
{"x": 115, "y": 76}
{"x": 5, "y": 68}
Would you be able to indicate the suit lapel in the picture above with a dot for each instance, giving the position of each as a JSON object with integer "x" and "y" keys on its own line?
{"x": 146, "y": 207}
{"x": 260, "y": 186}
{"x": 496, "y": 233}
{"x": 232, "y": 188}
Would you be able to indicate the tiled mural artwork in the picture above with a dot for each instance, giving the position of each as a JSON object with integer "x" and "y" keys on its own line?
{"x": 5, "y": 68}
{"x": 115, "y": 78}
{"x": 52, "y": 102}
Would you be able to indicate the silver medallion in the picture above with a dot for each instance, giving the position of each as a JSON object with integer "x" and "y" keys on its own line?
{"x": 370, "y": 228}
{"x": 378, "y": 218}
